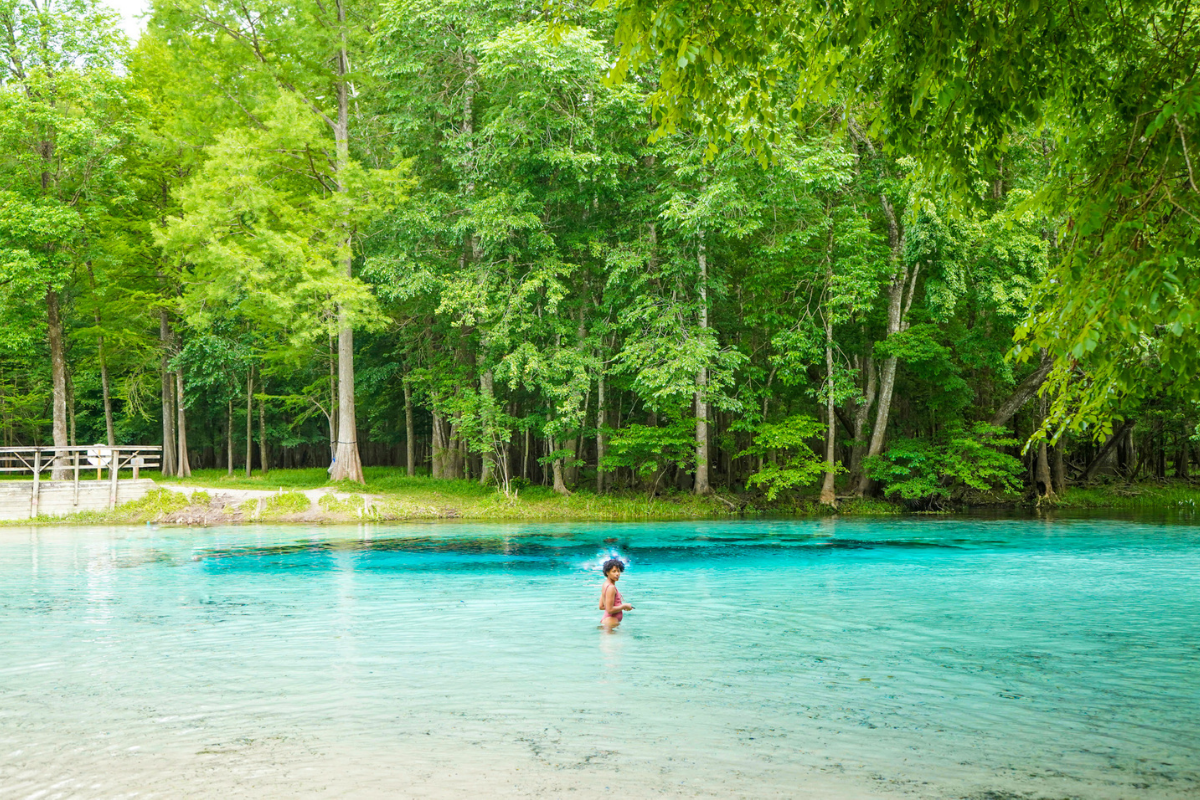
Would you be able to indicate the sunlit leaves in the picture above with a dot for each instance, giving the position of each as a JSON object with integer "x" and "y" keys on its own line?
{"x": 1113, "y": 93}
{"x": 791, "y": 461}
{"x": 261, "y": 227}
{"x": 929, "y": 472}
{"x": 649, "y": 451}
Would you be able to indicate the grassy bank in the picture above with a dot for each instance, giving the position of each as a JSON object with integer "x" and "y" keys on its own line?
{"x": 465, "y": 499}
{"x": 306, "y": 495}
{"x": 1149, "y": 494}
{"x": 398, "y": 496}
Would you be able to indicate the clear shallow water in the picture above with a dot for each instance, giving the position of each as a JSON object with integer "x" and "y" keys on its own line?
{"x": 915, "y": 658}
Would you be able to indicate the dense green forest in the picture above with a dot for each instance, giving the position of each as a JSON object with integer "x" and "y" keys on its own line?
{"x": 857, "y": 248}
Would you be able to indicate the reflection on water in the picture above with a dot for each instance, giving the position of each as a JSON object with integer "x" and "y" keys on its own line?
{"x": 921, "y": 658}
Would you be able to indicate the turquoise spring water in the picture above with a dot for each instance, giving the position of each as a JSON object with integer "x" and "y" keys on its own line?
{"x": 916, "y": 658}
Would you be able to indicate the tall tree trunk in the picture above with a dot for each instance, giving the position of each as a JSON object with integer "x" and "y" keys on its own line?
{"x": 601, "y": 445}
{"x": 169, "y": 465}
{"x": 1097, "y": 461}
{"x": 1124, "y": 458}
{"x": 1135, "y": 463}
{"x": 1025, "y": 390}
{"x": 1045, "y": 484}
{"x": 828, "y": 496}
{"x": 525, "y": 455}
{"x": 455, "y": 455}
{"x": 347, "y": 466}
{"x": 249, "y": 421}
{"x": 108, "y": 409}
{"x": 557, "y": 466}
{"x": 410, "y": 461}
{"x": 106, "y": 395}
{"x": 898, "y": 305}
{"x": 229, "y": 439}
{"x": 578, "y": 442}
{"x": 1044, "y": 480}
{"x": 6, "y": 439}
{"x": 71, "y": 409}
{"x": 440, "y": 447}
{"x": 183, "y": 466}
{"x": 487, "y": 390}
{"x": 264, "y": 454}
{"x": 861, "y": 414}
{"x": 332, "y": 416}
{"x": 702, "y": 484}
{"x": 58, "y": 376}
{"x": 887, "y": 382}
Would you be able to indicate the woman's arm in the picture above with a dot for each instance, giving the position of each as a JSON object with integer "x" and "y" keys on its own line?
{"x": 608, "y": 597}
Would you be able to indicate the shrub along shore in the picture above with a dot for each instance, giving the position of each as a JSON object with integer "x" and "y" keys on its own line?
{"x": 211, "y": 497}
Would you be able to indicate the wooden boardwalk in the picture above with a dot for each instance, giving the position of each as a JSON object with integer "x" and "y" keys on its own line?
{"x": 72, "y": 486}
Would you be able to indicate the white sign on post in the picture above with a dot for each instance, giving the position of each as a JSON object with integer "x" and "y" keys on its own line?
{"x": 99, "y": 456}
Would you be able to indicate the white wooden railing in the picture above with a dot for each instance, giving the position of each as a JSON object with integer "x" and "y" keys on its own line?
{"x": 75, "y": 458}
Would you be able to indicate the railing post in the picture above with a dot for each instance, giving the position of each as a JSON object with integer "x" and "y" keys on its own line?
{"x": 37, "y": 473}
{"x": 114, "y": 469}
{"x": 75, "y": 463}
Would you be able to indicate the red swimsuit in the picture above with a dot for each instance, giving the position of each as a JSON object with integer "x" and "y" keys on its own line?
{"x": 617, "y": 603}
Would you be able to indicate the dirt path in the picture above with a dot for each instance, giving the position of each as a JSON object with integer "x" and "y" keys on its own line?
{"x": 240, "y": 496}
{"x": 228, "y": 505}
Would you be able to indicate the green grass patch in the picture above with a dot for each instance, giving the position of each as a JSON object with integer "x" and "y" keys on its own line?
{"x": 1150, "y": 494}
{"x": 541, "y": 503}
{"x": 157, "y": 504}
{"x": 276, "y": 480}
{"x": 249, "y": 509}
{"x": 868, "y": 507}
{"x": 286, "y": 503}
{"x": 352, "y": 506}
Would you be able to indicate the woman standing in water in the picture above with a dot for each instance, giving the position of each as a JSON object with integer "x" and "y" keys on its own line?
{"x": 610, "y": 598}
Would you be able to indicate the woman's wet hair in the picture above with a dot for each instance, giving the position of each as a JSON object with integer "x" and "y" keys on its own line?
{"x": 614, "y": 562}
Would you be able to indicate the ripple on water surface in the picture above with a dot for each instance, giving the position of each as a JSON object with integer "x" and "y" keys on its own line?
{"x": 947, "y": 658}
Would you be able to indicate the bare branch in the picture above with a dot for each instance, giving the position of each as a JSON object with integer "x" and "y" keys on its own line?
{"x": 1187, "y": 159}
